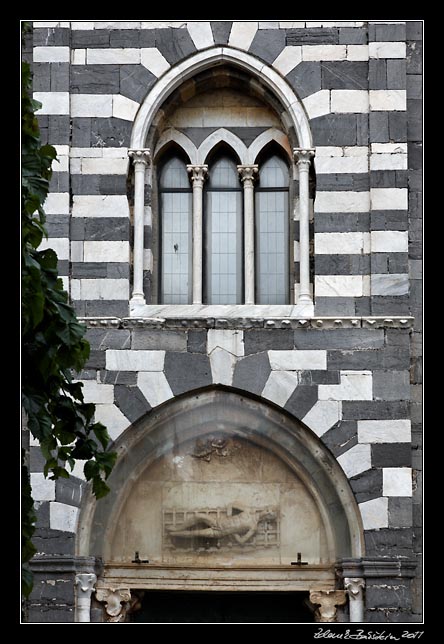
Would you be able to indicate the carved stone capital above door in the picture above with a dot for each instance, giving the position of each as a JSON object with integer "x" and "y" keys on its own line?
{"x": 326, "y": 602}
{"x": 117, "y": 602}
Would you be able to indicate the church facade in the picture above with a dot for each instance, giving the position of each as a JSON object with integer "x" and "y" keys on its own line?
{"x": 236, "y": 210}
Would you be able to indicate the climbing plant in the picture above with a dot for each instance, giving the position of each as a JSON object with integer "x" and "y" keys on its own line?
{"x": 53, "y": 344}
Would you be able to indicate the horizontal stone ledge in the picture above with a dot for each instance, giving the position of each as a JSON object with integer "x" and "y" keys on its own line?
{"x": 66, "y": 563}
{"x": 324, "y": 323}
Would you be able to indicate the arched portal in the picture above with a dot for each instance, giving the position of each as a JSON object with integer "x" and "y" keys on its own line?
{"x": 219, "y": 491}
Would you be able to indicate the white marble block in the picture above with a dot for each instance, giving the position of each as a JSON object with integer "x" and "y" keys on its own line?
{"x": 43, "y": 489}
{"x": 106, "y": 251}
{"x": 389, "y": 241}
{"x": 397, "y": 481}
{"x": 356, "y": 460}
{"x": 339, "y": 285}
{"x": 113, "y": 419}
{"x": 52, "y": 102}
{"x": 100, "y": 206}
{"x": 152, "y": 59}
{"x": 99, "y": 105}
{"x": 107, "y": 56}
{"x": 342, "y": 201}
{"x": 155, "y": 387}
{"x": 387, "y": 49}
{"x": 374, "y": 513}
{"x": 342, "y": 243}
{"x": 354, "y": 385}
{"x": 97, "y": 393}
{"x": 130, "y": 360}
{"x": 242, "y": 34}
{"x": 323, "y": 415}
{"x": 279, "y": 386}
{"x": 382, "y": 100}
{"x": 297, "y": 360}
{"x": 389, "y": 198}
{"x": 349, "y": 101}
{"x": 317, "y": 104}
{"x": 63, "y": 517}
{"x": 222, "y": 366}
{"x": 50, "y": 54}
{"x": 230, "y": 340}
{"x": 384, "y": 431}
{"x": 201, "y": 34}
{"x": 389, "y": 283}
{"x": 288, "y": 59}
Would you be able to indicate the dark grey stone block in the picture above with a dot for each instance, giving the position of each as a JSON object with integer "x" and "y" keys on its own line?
{"x": 415, "y": 155}
{"x": 341, "y": 437}
{"x": 392, "y": 455}
{"x": 398, "y": 126}
{"x": 46, "y": 37}
{"x": 86, "y": 374}
{"x": 343, "y": 223}
{"x": 400, "y": 512}
{"x": 174, "y": 44}
{"x": 95, "y": 79}
{"x": 41, "y": 81}
{"x": 306, "y": 78}
{"x": 91, "y": 38}
{"x": 368, "y": 485}
{"x": 99, "y": 308}
{"x": 108, "y": 338}
{"x": 59, "y": 131}
{"x": 41, "y": 509}
{"x": 388, "y": 358}
{"x": 110, "y": 132}
{"x": 414, "y": 124}
{"x": 387, "y": 305}
{"x": 334, "y": 129}
{"x": 64, "y": 614}
{"x": 380, "y": 263}
{"x": 107, "y": 228}
{"x": 334, "y": 306}
{"x": 118, "y": 377}
{"x": 396, "y": 74}
{"x": 187, "y": 371}
{"x": 112, "y": 184}
{"x": 362, "y": 306}
{"x": 257, "y": 340}
{"x": 392, "y": 615}
{"x": 383, "y": 178}
{"x": 159, "y": 340}
{"x": 89, "y": 270}
{"x": 390, "y": 33}
{"x": 414, "y": 57}
{"x": 375, "y": 410}
{"x": 85, "y": 184}
{"x": 377, "y": 73}
{"x": 402, "y": 178}
{"x": 302, "y": 400}
{"x": 147, "y": 37}
{"x": 54, "y": 542}
{"x": 246, "y": 134}
{"x": 338, "y": 339}
{"x": 342, "y": 264}
{"x": 323, "y": 377}
{"x": 79, "y": 308}
{"x": 197, "y": 341}
{"x": 345, "y": 74}
{"x": 385, "y": 596}
{"x": 251, "y": 373}
{"x": 313, "y": 36}
{"x": 131, "y": 402}
{"x": 96, "y": 360}
{"x": 135, "y": 81}
{"x": 378, "y": 127}
{"x": 398, "y": 263}
{"x": 337, "y": 182}
{"x": 57, "y": 225}
{"x": 125, "y": 38}
{"x": 36, "y": 459}
{"x": 199, "y": 134}
{"x": 70, "y": 490}
{"x": 60, "y": 77}
{"x": 81, "y": 133}
{"x": 221, "y": 31}
{"x": 414, "y": 30}
{"x": 267, "y": 44}
{"x": 362, "y": 134}
{"x": 353, "y": 36}
{"x": 59, "y": 182}
{"x": 389, "y": 220}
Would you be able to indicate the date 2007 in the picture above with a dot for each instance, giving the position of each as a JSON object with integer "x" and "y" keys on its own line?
{"x": 359, "y": 634}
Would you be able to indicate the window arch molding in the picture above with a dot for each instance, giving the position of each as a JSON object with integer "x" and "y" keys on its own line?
{"x": 296, "y": 120}
{"x": 222, "y": 135}
{"x": 182, "y": 141}
{"x": 204, "y": 59}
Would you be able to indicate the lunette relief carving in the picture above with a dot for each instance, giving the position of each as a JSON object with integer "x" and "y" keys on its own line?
{"x": 221, "y": 527}
{"x": 326, "y": 602}
{"x": 205, "y": 449}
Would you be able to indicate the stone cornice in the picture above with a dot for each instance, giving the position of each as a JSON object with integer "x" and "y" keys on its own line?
{"x": 321, "y": 323}
{"x": 370, "y": 567}
{"x": 66, "y": 563}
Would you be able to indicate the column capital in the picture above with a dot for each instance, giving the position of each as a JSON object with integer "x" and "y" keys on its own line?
{"x": 248, "y": 172}
{"x": 354, "y": 587}
{"x": 140, "y": 156}
{"x": 116, "y": 600}
{"x": 86, "y": 582}
{"x": 303, "y": 156}
{"x": 326, "y": 602}
{"x": 197, "y": 172}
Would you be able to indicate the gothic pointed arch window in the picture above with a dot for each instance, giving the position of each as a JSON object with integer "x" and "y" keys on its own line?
{"x": 223, "y": 232}
{"x": 175, "y": 231}
{"x": 272, "y": 231}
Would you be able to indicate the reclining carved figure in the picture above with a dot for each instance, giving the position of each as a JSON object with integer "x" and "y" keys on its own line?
{"x": 241, "y": 523}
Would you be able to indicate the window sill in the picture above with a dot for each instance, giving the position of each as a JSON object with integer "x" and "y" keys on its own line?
{"x": 227, "y": 311}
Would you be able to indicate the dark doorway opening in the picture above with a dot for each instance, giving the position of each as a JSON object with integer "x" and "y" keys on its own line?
{"x": 228, "y": 607}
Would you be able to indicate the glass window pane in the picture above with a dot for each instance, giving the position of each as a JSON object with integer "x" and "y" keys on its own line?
{"x": 273, "y": 173}
{"x": 223, "y": 247}
{"x": 174, "y": 175}
{"x": 272, "y": 269}
{"x": 223, "y": 174}
{"x": 176, "y": 247}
